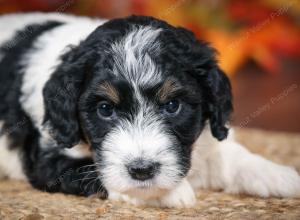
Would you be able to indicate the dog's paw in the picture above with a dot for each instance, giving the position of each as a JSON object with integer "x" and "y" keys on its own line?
{"x": 265, "y": 178}
{"x": 181, "y": 197}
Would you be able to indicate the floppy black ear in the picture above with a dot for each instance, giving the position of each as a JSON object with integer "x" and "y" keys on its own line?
{"x": 63, "y": 90}
{"x": 61, "y": 94}
{"x": 216, "y": 88}
{"x": 219, "y": 98}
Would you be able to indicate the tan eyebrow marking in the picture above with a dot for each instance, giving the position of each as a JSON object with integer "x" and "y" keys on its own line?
{"x": 169, "y": 88}
{"x": 110, "y": 91}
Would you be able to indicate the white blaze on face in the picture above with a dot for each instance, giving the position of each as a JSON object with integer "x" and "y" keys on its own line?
{"x": 132, "y": 59}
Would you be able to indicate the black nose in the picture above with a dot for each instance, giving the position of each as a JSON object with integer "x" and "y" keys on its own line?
{"x": 142, "y": 170}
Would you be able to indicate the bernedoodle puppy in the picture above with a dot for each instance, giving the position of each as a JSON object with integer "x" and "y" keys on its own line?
{"x": 132, "y": 109}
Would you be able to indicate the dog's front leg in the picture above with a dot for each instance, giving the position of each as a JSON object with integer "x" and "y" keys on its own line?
{"x": 245, "y": 172}
{"x": 54, "y": 171}
{"x": 230, "y": 166}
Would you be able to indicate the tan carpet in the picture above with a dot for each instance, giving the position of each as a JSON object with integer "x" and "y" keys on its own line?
{"x": 19, "y": 201}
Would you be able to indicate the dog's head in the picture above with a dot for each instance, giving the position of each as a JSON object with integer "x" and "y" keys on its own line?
{"x": 140, "y": 92}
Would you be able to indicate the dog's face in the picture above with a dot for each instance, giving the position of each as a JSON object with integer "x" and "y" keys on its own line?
{"x": 141, "y": 114}
{"x": 140, "y": 93}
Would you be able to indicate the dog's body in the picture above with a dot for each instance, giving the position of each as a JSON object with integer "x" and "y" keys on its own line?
{"x": 159, "y": 151}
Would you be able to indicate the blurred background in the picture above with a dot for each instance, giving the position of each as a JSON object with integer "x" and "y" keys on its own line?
{"x": 258, "y": 43}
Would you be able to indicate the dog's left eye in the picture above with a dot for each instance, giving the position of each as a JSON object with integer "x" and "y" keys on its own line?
{"x": 105, "y": 109}
{"x": 172, "y": 107}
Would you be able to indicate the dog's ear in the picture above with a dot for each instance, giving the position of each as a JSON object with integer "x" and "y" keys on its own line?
{"x": 61, "y": 94}
{"x": 63, "y": 90}
{"x": 215, "y": 85}
{"x": 219, "y": 98}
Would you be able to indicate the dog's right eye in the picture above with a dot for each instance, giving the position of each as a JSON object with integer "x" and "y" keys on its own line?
{"x": 172, "y": 107}
{"x": 106, "y": 109}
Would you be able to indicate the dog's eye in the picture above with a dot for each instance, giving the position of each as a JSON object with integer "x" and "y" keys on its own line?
{"x": 172, "y": 106}
{"x": 106, "y": 109}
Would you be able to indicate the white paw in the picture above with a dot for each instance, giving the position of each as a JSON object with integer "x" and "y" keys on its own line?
{"x": 265, "y": 178}
{"x": 181, "y": 197}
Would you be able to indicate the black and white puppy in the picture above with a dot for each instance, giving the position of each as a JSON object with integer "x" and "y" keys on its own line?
{"x": 133, "y": 109}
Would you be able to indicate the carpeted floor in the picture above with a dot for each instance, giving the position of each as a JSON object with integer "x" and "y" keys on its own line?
{"x": 19, "y": 201}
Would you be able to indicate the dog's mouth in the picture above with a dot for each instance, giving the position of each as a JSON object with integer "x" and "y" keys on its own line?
{"x": 146, "y": 185}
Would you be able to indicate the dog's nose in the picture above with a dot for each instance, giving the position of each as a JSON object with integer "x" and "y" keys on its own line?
{"x": 142, "y": 169}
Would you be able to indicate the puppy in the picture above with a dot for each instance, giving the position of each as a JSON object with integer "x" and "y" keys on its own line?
{"x": 133, "y": 109}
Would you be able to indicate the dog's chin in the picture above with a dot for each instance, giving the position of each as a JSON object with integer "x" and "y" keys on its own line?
{"x": 145, "y": 190}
